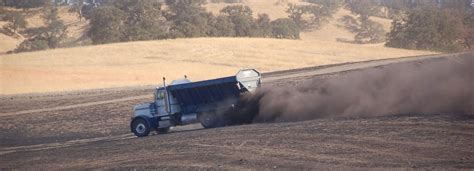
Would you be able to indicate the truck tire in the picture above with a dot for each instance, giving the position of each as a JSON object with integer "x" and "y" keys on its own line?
{"x": 210, "y": 120}
{"x": 140, "y": 128}
{"x": 162, "y": 130}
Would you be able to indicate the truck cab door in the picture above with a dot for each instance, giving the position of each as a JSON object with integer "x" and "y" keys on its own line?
{"x": 161, "y": 101}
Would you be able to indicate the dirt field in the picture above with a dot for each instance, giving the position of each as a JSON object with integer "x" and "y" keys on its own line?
{"x": 89, "y": 130}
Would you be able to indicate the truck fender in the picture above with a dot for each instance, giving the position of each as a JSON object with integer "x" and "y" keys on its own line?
{"x": 150, "y": 121}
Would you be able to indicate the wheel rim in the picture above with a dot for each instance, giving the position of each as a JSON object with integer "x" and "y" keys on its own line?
{"x": 140, "y": 128}
{"x": 206, "y": 120}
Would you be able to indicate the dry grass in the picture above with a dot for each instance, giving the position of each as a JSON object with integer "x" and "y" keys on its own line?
{"x": 329, "y": 32}
{"x": 7, "y": 43}
{"x": 145, "y": 63}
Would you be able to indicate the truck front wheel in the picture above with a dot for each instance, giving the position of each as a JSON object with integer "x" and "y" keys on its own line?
{"x": 140, "y": 128}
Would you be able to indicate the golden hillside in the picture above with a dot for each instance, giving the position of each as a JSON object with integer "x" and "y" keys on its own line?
{"x": 145, "y": 63}
{"x": 274, "y": 8}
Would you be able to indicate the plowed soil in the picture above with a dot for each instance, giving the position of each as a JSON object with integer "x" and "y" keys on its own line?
{"x": 90, "y": 130}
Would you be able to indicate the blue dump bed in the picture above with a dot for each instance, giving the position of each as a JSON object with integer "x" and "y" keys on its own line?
{"x": 211, "y": 95}
{"x": 205, "y": 95}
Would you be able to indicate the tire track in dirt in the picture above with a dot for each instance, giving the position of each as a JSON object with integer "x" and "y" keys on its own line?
{"x": 84, "y": 141}
{"x": 46, "y": 146}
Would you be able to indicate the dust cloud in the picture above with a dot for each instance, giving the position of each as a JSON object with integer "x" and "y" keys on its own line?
{"x": 434, "y": 87}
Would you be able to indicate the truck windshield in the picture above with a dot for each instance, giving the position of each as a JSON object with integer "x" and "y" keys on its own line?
{"x": 160, "y": 95}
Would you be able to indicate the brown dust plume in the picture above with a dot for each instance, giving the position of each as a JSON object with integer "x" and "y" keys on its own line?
{"x": 443, "y": 86}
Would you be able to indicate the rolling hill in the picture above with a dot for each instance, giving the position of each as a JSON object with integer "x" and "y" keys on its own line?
{"x": 145, "y": 63}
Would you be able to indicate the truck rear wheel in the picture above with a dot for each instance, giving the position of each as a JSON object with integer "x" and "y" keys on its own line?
{"x": 140, "y": 128}
{"x": 210, "y": 120}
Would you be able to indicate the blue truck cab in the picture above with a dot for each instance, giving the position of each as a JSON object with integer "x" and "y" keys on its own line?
{"x": 185, "y": 102}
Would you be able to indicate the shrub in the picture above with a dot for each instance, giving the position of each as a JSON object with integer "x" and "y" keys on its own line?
{"x": 370, "y": 32}
{"x": 55, "y": 30}
{"x": 188, "y": 19}
{"x": 264, "y": 26}
{"x": 317, "y": 14}
{"x": 222, "y": 26}
{"x": 427, "y": 29}
{"x": 296, "y": 13}
{"x": 16, "y": 20}
{"x": 107, "y": 25}
{"x": 241, "y": 17}
{"x": 285, "y": 28}
{"x": 25, "y": 4}
{"x": 32, "y": 45}
{"x": 468, "y": 31}
{"x": 46, "y": 37}
{"x": 363, "y": 8}
{"x": 145, "y": 21}
{"x": 366, "y": 30}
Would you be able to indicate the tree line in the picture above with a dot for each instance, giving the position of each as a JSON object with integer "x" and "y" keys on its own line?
{"x": 137, "y": 20}
{"x": 132, "y": 20}
{"x": 441, "y": 25}
{"x": 24, "y": 4}
{"x": 446, "y": 30}
{"x": 126, "y": 20}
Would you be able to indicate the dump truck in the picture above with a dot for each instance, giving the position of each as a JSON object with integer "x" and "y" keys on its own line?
{"x": 184, "y": 102}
